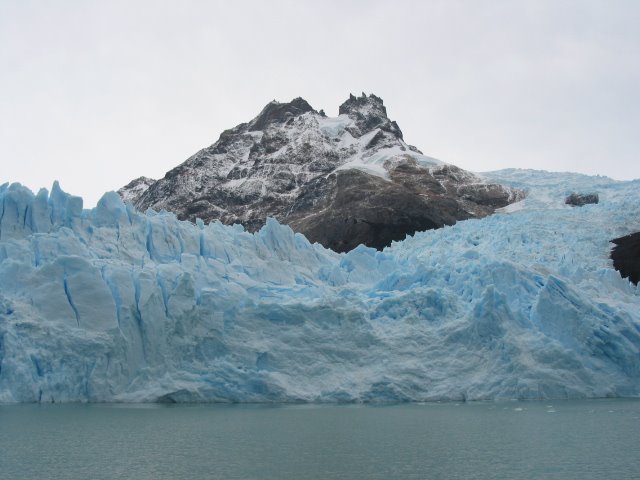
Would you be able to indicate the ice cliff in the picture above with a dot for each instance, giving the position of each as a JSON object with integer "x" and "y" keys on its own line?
{"x": 111, "y": 304}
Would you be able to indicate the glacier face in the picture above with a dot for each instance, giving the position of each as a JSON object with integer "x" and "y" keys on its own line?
{"x": 111, "y": 304}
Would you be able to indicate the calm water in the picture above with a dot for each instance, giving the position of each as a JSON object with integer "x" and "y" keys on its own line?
{"x": 564, "y": 440}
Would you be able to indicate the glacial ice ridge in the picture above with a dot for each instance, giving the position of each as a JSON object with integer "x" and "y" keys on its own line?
{"x": 111, "y": 304}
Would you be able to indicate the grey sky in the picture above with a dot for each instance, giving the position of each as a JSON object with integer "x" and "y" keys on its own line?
{"x": 95, "y": 93}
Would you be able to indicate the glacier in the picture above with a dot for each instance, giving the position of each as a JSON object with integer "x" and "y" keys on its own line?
{"x": 114, "y": 305}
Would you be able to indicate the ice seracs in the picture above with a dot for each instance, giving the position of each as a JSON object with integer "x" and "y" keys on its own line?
{"x": 111, "y": 304}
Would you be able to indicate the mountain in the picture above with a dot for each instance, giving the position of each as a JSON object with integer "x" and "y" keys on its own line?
{"x": 135, "y": 188}
{"x": 340, "y": 181}
{"x": 111, "y": 304}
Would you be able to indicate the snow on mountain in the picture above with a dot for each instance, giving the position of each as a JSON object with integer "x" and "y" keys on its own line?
{"x": 135, "y": 188}
{"x": 341, "y": 181}
{"x": 110, "y": 304}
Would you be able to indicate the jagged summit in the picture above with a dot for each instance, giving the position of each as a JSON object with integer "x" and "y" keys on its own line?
{"x": 341, "y": 180}
{"x": 276, "y": 112}
{"x": 364, "y": 100}
{"x": 368, "y": 113}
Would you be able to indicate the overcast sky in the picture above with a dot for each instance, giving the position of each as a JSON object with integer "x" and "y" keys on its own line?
{"x": 95, "y": 93}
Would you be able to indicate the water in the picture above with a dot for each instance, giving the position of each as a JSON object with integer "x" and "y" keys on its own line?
{"x": 516, "y": 440}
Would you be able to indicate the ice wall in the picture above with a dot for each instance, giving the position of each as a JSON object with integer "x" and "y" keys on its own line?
{"x": 111, "y": 304}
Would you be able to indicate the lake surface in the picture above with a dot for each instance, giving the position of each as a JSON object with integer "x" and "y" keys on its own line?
{"x": 515, "y": 440}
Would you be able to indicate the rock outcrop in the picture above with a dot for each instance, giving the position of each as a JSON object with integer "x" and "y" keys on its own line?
{"x": 626, "y": 256}
{"x": 581, "y": 199}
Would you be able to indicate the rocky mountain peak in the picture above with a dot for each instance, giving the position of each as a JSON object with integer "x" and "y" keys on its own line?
{"x": 276, "y": 112}
{"x": 341, "y": 180}
{"x": 369, "y": 113}
{"x": 363, "y": 104}
{"x": 135, "y": 188}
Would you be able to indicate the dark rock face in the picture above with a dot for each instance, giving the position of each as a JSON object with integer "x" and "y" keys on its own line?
{"x": 369, "y": 113}
{"x": 626, "y": 256}
{"x": 580, "y": 199}
{"x": 276, "y": 112}
{"x": 357, "y": 208}
{"x": 341, "y": 181}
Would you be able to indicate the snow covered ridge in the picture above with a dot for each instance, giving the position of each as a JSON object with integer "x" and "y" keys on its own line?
{"x": 110, "y": 304}
{"x": 341, "y": 181}
{"x": 135, "y": 188}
